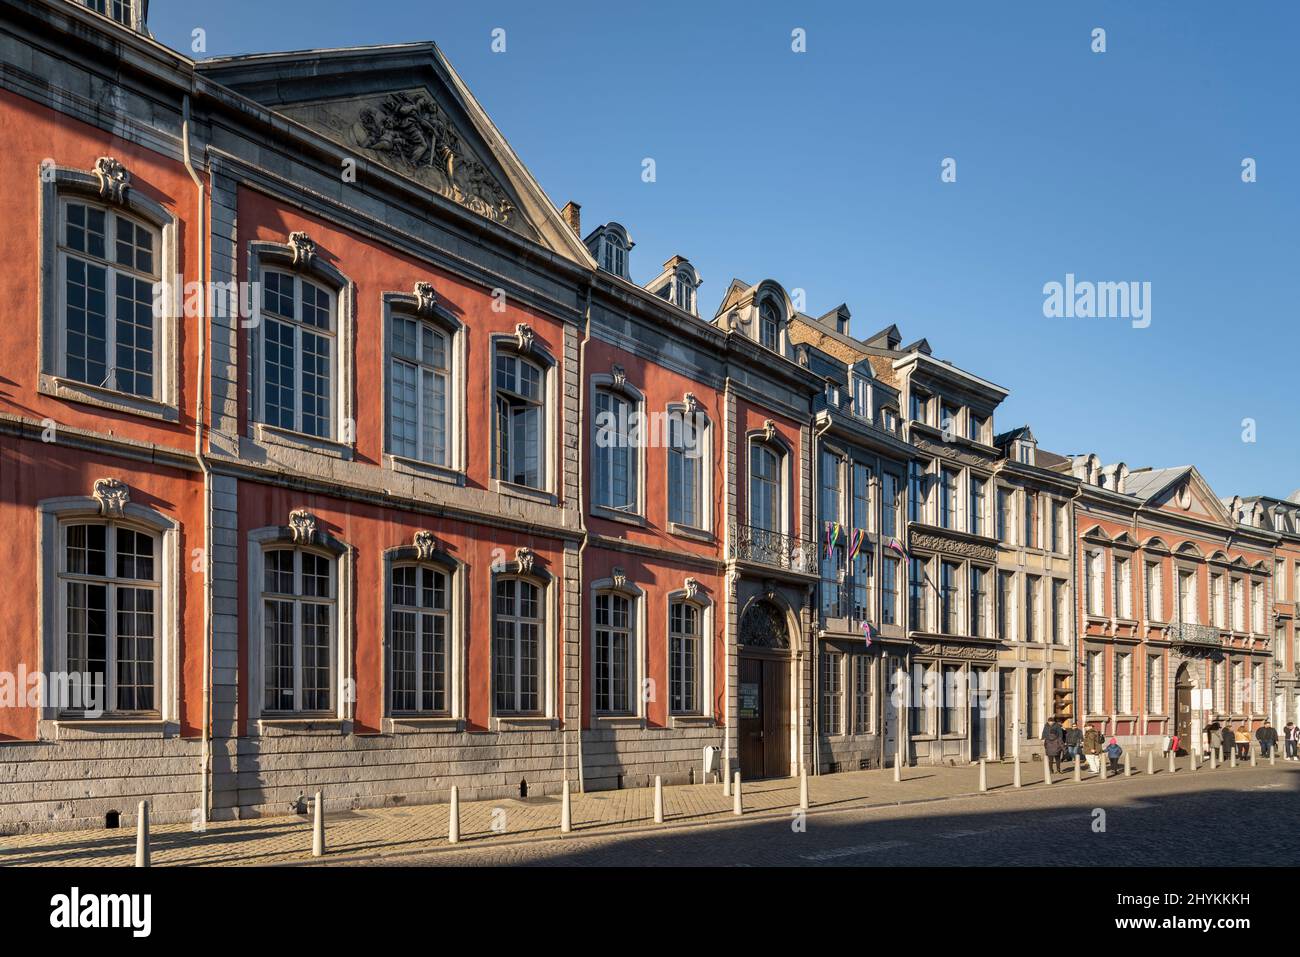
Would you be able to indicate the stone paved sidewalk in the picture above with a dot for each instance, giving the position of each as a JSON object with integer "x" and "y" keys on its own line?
{"x": 400, "y": 832}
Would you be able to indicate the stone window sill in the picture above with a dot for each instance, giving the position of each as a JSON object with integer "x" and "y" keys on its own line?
{"x": 688, "y": 531}
{"x": 617, "y": 515}
{"x": 284, "y": 438}
{"x": 524, "y": 723}
{"x": 288, "y": 724}
{"x": 438, "y": 473}
{"x": 77, "y": 728}
{"x": 620, "y": 721}
{"x": 422, "y": 724}
{"x": 690, "y": 721}
{"x": 501, "y": 487}
{"x": 86, "y": 394}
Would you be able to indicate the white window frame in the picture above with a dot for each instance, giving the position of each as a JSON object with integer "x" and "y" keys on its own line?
{"x": 291, "y": 258}
{"x": 54, "y": 514}
{"x": 694, "y": 596}
{"x": 403, "y": 306}
{"x": 636, "y": 438}
{"x": 528, "y": 349}
{"x": 783, "y": 455}
{"x": 271, "y": 538}
{"x": 457, "y": 585}
{"x": 547, "y": 604}
{"x": 619, "y": 587}
{"x": 693, "y": 412}
{"x": 62, "y": 185}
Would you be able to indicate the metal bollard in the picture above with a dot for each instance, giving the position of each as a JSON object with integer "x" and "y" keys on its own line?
{"x": 1078, "y": 770}
{"x": 1272, "y": 756}
{"x": 1047, "y": 770}
{"x": 1253, "y": 758}
{"x": 737, "y": 806}
{"x": 318, "y": 827}
{"x": 898, "y": 769}
{"x": 142, "y": 835}
{"x": 1232, "y": 756}
{"x": 803, "y": 789}
{"x": 726, "y": 777}
{"x": 659, "y": 799}
{"x": 453, "y": 822}
{"x": 1015, "y": 772}
{"x": 984, "y": 775}
{"x": 1128, "y": 766}
{"x": 1172, "y": 767}
{"x": 1193, "y": 760}
{"x": 566, "y": 811}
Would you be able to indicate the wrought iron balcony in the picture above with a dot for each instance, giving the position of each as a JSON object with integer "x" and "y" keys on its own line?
{"x": 752, "y": 544}
{"x": 1205, "y": 636}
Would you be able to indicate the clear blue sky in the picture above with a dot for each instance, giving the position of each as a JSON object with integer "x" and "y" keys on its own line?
{"x": 821, "y": 170}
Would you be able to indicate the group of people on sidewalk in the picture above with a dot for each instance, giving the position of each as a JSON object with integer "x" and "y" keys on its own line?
{"x": 1224, "y": 738}
{"x": 1065, "y": 742}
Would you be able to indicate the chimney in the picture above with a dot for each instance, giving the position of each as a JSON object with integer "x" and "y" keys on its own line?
{"x": 572, "y": 214}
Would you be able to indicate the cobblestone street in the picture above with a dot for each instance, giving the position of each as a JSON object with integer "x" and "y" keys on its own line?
{"x": 935, "y": 816}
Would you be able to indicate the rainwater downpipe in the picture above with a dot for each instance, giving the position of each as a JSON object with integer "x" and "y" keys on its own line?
{"x": 205, "y": 754}
{"x": 815, "y": 657}
{"x": 582, "y": 526}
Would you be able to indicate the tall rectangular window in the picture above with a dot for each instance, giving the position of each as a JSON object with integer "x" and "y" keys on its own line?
{"x": 1033, "y": 698}
{"x": 419, "y": 391}
{"x": 949, "y": 598}
{"x": 109, "y": 593}
{"x": 1031, "y": 520}
{"x": 685, "y": 472}
{"x": 1257, "y": 688}
{"x": 922, "y": 699}
{"x": 916, "y": 492}
{"x": 1006, "y": 612}
{"x": 298, "y": 362}
{"x": 1057, "y": 539}
{"x": 889, "y": 506}
{"x": 1216, "y": 601}
{"x": 685, "y": 640}
{"x": 517, "y": 646}
{"x": 519, "y": 406}
{"x": 1238, "y": 686}
{"x": 1095, "y": 582}
{"x": 1155, "y": 592}
{"x": 953, "y": 707}
{"x": 298, "y": 608}
{"x": 613, "y": 653}
{"x": 764, "y": 488}
{"x": 978, "y": 601}
{"x": 108, "y": 267}
{"x": 1060, "y": 612}
{"x": 978, "y": 505}
{"x": 1257, "y": 605}
{"x": 948, "y": 498}
{"x": 832, "y": 692}
{"x": 615, "y": 454}
{"x": 1238, "y": 605}
{"x": 1096, "y": 683}
{"x": 1124, "y": 682}
{"x": 1279, "y": 579}
{"x": 1005, "y": 516}
{"x": 1033, "y": 587}
{"x": 1155, "y": 685}
{"x": 418, "y": 636}
{"x": 889, "y": 590}
{"x": 863, "y": 706}
{"x": 917, "y": 607}
{"x": 1187, "y": 597}
{"x": 1123, "y": 587}
{"x": 1219, "y": 684}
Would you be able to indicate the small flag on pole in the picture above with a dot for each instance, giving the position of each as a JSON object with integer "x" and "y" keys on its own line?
{"x": 893, "y": 543}
{"x": 868, "y": 632}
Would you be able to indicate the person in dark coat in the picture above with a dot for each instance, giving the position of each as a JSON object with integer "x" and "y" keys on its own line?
{"x": 1229, "y": 741}
{"x": 1053, "y": 743}
{"x": 1073, "y": 741}
{"x": 1267, "y": 738}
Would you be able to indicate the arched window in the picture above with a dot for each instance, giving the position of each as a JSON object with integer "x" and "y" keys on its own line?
{"x": 687, "y": 468}
{"x": 424, "y": 382}
{"x": 614, "y": 651}
{"x": 765, "y": 487}
{"x": 769, "y": 326}
{"x": 616, "y": 461}
{"x": 519, "y": 406}
{"x": 685, "y": 654}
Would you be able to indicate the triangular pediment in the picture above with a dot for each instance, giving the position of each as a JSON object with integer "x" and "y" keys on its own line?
{"x": 405, "y": 109}
{"x": 1190, "y": 495}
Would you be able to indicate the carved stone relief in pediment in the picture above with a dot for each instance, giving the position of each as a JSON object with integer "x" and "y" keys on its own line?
{"x": 410, "y": 132}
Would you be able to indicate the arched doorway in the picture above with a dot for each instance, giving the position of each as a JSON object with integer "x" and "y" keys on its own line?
{"x": 763, "y": 718}
{"x": 1183, "y": 685}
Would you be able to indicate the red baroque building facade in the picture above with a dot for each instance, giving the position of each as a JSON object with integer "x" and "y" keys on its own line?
{"x": 336, "y": 457}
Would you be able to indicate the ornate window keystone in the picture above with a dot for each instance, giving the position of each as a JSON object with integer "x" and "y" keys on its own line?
{"x": 114, "y": 179}
{"x": 620, "y": 577}
{"x": 304, "y": 249}
{"x": 112, "y": 496}
{"x": 524, "y": 556}
{"x": 769, "y": 429}
{"x": 524, "y": 334}
{"x": 425, "y": 298}
{"x": 302, "y": 524}
{"x": 619, "y": 375}
{"x": 692, "y": 587}
{"x": 426, "y": 546}
{"x": 691, "y": 402}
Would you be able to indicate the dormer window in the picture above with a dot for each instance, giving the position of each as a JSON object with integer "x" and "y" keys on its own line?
{"x": 1025, "y": 454}
{"x": 683, "y": 292}
{"x": 769, "y": 326}
{"x": 862, "y": 398}
{"x": 615, "y": 256}
{"x": 119, "y": 10}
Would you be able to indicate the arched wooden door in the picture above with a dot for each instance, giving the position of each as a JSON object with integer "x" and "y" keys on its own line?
{"x": 763, "y": 723}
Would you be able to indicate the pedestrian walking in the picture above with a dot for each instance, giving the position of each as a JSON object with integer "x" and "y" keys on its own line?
{"x": 1227, "y": 741}
{"x": 1267, "y": 738}
{"x": 1292, "y": 735}
{"x": 1073, "y": 741}
{"x": 1243, "y": 743}
{"x": 1113, "y": 753}
{"x": 1053, "y": 743}
{"x": 1092, "y": 745}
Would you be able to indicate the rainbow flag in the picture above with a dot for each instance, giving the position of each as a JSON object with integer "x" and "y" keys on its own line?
{"x": 868, "y": 632}
{"x": 893, "y": 543}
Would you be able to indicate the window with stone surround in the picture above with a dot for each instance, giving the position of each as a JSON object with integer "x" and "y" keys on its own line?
{"x": 419, "y": 639}
{"x": 424, "y": 380}
{"x": 832, "y": 692}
